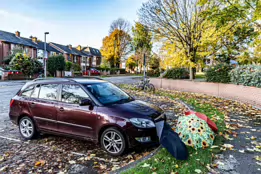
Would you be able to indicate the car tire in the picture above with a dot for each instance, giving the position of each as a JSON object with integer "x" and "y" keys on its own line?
{"x": 27, "y": 128}
{"x": 113, "y": 141}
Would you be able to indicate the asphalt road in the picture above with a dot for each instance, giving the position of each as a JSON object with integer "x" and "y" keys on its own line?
{"x": 9, "y": 88}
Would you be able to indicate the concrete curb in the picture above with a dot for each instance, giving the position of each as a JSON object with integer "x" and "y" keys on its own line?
{"x": 133, "y": 164}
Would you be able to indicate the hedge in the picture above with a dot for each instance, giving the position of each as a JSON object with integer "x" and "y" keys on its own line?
{"x": 247, "y": 75}
{"x": 112, "y": 70}
{"x": 218, "y": 73}
{"x": 177, "y": 73}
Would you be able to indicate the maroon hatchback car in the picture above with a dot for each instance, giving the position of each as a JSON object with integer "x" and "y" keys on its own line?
{"x": 91, "y": 109}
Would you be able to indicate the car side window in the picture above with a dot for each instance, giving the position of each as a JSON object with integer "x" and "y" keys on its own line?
{"x": 27, "y": 91}
{"x": 36, "y": 91}
{"x": 48, "y": 91}
{"x": 73, "y": 94}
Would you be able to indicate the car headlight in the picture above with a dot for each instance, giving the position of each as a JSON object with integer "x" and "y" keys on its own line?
{"x": 142, "y": 123}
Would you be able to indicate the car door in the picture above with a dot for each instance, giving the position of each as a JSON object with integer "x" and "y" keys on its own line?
{"x": 42, "y": 106}
{"x": 73, "y": 118}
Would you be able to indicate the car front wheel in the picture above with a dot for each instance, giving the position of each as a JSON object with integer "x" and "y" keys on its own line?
{"x": 27, "y": 128}
{"x": 113, "y": 141}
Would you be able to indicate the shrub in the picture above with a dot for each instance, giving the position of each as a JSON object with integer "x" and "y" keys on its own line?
{"x": 68, "y": 66}
{"x": 247, "y": 75}
{"x": 153, "y": 73}
{"x": 77, "y": 73}
{"x": 76, "y": 67}
{"x": 55, "y": 63}
{"x": 177, "y": 73}
{"x": 218, "y": 73}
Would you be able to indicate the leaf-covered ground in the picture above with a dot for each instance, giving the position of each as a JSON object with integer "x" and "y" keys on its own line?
{"x": 239, "y": 137}
{"x": 236, "y": 121}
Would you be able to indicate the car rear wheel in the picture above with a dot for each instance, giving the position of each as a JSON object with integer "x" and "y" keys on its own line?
{"x": 27, "y": 128}
{"x": 113, "y": 142}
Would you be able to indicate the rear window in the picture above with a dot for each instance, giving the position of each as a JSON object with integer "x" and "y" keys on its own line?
{"x": 27, "y": 91}
{"x": 48, "y": 91}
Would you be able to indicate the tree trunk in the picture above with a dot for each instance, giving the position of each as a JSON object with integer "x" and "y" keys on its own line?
{"x": 191, "y": 76}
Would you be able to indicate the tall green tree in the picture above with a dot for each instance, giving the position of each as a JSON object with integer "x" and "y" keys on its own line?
{"x": 142, "y": 42}
{"x": 55, "y": 63}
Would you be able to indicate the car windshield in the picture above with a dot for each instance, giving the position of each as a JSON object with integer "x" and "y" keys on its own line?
{"x": 108, "y": 93}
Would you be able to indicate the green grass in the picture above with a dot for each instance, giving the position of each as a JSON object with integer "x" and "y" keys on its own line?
{"x": 163, "y": 162}
{"x": 200, "y": 75}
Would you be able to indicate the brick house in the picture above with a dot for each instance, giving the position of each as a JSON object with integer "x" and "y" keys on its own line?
{"x": 86, "y": 57}
{"x": 95, "y": 56}
{"x": 70, "y": 54}
{"x": 51, "y": 51}
{"x": 9, "y": 41}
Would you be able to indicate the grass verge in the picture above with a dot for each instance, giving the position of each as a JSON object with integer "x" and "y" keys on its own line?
{"x": 199, "y": 160}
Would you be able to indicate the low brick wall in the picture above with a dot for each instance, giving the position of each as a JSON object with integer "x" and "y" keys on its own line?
{"x": 241, "y": 93}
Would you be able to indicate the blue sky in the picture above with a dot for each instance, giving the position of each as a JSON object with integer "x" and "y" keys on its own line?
{"x": 75, "y": 22}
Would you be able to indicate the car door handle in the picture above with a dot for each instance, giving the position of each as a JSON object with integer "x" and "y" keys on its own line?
{"x": 61, "y": 109}
{"x": 32, "y": 104}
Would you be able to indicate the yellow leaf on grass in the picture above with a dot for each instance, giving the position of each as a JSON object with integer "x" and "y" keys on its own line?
{"x": 38, "y": 163}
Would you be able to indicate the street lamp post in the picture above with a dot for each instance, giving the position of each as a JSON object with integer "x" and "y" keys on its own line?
{"x": 45, "y": 54}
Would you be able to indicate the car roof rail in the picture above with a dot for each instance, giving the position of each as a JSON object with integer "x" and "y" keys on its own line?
{"x": 59, "y": 79}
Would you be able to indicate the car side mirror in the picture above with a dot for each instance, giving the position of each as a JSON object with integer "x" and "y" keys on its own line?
{"x": 85, "y": 102}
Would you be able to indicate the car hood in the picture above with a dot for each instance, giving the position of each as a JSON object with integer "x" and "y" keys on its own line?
{"x": 136, "y": 109}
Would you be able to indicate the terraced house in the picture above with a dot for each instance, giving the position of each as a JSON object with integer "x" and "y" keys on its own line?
{"x": 84, "y": 56}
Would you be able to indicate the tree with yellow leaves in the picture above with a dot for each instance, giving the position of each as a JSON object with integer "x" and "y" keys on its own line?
{"x": 115, "y": 46}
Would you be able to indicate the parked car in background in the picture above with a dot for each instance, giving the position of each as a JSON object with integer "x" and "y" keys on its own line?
{"x": 91, "y": 109}
{"x": 4, "y": 72}
{"x": 93, "y": 72}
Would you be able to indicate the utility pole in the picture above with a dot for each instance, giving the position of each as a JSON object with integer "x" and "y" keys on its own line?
{"x": 144, "y": 66}
{"x": 45, "y": 54}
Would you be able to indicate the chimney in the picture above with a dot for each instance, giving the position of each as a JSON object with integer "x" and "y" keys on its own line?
{"x": 34, "y": 39}
{"x": 70, "y": 47}
{"x": 17, "y": 33}
{"x": 79, "y": 47}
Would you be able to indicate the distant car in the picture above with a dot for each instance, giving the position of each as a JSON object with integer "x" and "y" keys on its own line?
{"x": 93, "y": 72}
{"x": 90, "y": 109}
{"x": 8, "y": 72}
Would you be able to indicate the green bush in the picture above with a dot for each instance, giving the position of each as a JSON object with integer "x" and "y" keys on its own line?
{"x": 218, "y": 73}
{"x": 77, "y": 73}
{"x": 153, "y": 73}
{"x": 112, "y": 70}
{"x": 76, "y": 67}
{"x": 247, "y": 75}
{"x": 68, "y": 66}
{"x": 177, "y": 73}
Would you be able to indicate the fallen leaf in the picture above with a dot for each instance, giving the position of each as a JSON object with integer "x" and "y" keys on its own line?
{"x": 252, "y": 138}
{"x": 72, "y": 162}
{"x": 145, "y": 165}
{"x": 228, "y": 145}
{"x": 92, "y": 155}
{"x": 212, "y": 147}
{"x": 38, "y": 163}
{"x": 258, "y": 158}
{"x": 198, "y": 171}
{"x": 242, "y": 151}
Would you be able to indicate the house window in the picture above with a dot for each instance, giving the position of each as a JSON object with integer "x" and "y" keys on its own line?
{"x": 83, "y": 59}
{"x": 40, "y": 53}
{"x": 94, "y": 61}
{"x": 26, "y": 50}
{"x": 74, "y": 59}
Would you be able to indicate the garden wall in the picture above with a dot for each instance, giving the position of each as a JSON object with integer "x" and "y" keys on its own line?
{"x": 251, "y": 95}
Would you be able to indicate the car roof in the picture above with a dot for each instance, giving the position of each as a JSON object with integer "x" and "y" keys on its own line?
{"x": 87, "y": 80}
